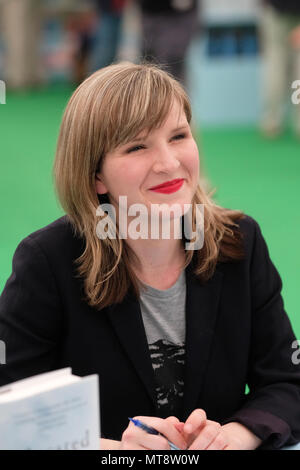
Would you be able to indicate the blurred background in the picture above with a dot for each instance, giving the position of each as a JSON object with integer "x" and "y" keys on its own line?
{"x": 238, "y": 60}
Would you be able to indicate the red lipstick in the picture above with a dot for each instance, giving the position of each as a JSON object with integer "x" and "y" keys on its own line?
{"x": 168, "y": 187}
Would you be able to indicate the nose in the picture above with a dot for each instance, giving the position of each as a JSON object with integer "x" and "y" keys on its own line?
{"x": 166, "y": 159}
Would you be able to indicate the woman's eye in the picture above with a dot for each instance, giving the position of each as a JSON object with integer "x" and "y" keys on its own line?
{"x": 135, "y": 148}
{"x": 179, "y": 136}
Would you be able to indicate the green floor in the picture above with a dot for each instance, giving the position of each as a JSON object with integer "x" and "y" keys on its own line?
{"x": 261, "y": 178}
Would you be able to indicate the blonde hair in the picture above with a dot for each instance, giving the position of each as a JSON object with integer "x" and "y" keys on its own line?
{"x": 109, "y": 109}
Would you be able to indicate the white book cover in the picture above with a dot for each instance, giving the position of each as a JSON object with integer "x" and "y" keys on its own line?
{"x": 51, "y": 411}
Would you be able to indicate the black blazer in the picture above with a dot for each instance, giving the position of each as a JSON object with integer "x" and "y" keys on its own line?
{"x": 237, "y": 333}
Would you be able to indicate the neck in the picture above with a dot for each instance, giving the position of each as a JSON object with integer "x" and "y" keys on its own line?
{"x": 159, "y": 255}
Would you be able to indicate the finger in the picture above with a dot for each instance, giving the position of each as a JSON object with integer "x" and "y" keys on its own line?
{"x": 179, "y": 426}
{"x": 219, "y": 443}
{"x": 131, "y": 446}
{"x": 155, "y": 442}
{"x": 167, "y": 428}
{"x": 173, "y": 420}
{"x": 129, "y": 441}
{"x": 206, "y": 436}
{"x": 195, "y": 421}
{"x": 193, "y": 424}
{"x": 134, "y": 438}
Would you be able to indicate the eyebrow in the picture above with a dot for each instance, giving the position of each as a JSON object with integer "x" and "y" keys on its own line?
{"x": 139, "y": 139}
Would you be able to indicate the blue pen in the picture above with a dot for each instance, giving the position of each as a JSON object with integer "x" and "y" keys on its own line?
{"x": 151, "y": 430}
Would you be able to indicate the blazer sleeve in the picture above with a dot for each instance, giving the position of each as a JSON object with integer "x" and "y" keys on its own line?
{"x": 272, "y": 407}
{"x": 30, "y": 315}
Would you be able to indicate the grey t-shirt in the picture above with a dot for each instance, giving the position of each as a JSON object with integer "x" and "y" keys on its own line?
{"x": 163, "y": 313}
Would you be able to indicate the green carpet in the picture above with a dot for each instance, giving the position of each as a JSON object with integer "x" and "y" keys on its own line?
{"x": 259, "y": 177}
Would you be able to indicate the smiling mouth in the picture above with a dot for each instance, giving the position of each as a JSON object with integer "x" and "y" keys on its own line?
{"x": 169, "y": 187}
{"x": 168, "y": 183}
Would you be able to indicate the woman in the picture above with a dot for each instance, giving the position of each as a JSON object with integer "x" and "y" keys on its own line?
{"x": 175, "y": 330}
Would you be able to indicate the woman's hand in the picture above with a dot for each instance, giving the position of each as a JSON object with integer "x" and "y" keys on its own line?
{"x": 203, "y": 434}
{"x": 240, "y": 437}
{"x": 137, "y": 439}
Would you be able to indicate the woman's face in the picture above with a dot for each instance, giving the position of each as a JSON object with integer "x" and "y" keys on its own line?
{"x": 167, "y": 153}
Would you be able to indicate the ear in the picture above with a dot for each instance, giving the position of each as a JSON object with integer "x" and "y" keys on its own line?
{"x": 100, "y": 186}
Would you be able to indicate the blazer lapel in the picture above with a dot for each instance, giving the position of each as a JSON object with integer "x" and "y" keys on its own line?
{"x": 202, "y": 301}
{"x": 126, "y": 319}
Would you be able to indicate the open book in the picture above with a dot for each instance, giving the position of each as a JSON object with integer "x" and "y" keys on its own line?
{"x": 55, "y": 410}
